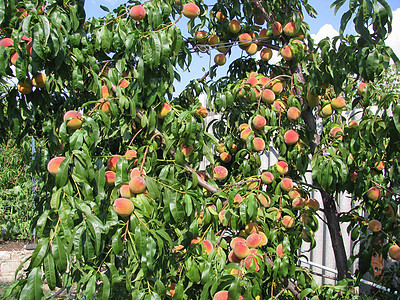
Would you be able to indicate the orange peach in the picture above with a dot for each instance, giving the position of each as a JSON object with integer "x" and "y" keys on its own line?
{"x": 112, "y": 162}
{"x": 39, "y": 80}
{"x": 166, "y": 108}
{"x": 277, "y": 87}
{"x": 276, "y": 28}
{"x": 259, "y": 122}
{"x": 293, "y": 113}
{"x": 245, "y": 40}
{"x": 291, "y": 137}
{"x": 24, "y": 87}
{"x": 123, "y": 207}
{"x": 223, "y": 295}
{"x": 338, "y": 103}
{"x": 353, "y": 124}
{"x": 263, "y": 80}
{"x": 137, "y": 185}
{"x": 220, "y": 59}
{"x": 136, "y": 172}
{"x": 235, "y": 240}
{"x": 262, "y": 34}
{"x": 105, "y": 106}
{"x": 374, "y": 193}
{"x": 286, "y": 184}
{"x": 125, "y": 191}
{"x": 287, "y": 221}
{"x": 245, "y": 134}
{"x": 221, "y": 147}
{"x": 267, "y": 177}
{"x": 123, "y": 83}
{"x": 243, "y": 126}
{"x": 241, "y": 249}
{"x": 76, "y": 121}
{"x": 394, "y": 252}
{"x": 202, "y": 111}
{"x": 379, "y": 166}
{"x": 282, "y": 167}
{"x": 191, "y": 10}
{"x": 110, "y": 178}
{"x": 253, "y": 240}
{"x": 252, "y": 81}
{"x": 171, "y": 289}
{"x": 54, "y": 164}
{"x": 258, "y": 144}
{"x": 287, "y": 53}
{"x": 264, "y": 200}
{"x": 290, "y": 29}
{"x": 220, "y": 173}
{"x": 234, "y": 26}
{"x": 137, "y": 12}
{"x": 268, "y": 96}
{"x": 232, "y": 257}
{"x": 313, "y": 204}
{"x": 375, "y": 225}
{"x": 207, "y": 244}
{"x": 201, "y": 36}
{"x": 266, "y": 54}
{"x": 251, "y": 260}
{"x": 225, "y": 157}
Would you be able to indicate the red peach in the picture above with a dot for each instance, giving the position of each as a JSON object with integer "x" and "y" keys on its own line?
{"x": 137, "y": 185}
{"x": 286, "y": 184}
{"x": 220, "y": 16}
{"x": 238, "y": 199}
{"x": 6, "y": 42}
{"x": 187, "y": 150}
{"x": 136, "y": 172}
{"x": 313, "y": 204}
{"x": 207, "y": 244}
{"x": 252, "y": 227}
{"x": 264, "y": 239}
{"x": 54, "y": 164}
{"x": 220, "y": 173}
{"x": 14, "y": 58}
{"x": 279, "y": 250}
{"x": 130, "y": 154}
{"x": 287, "y": 53}
{"x": 112, "y": 163}
{"x": 245, "y": 40}
{"x": 291, "y": 137}
{"x": 166, "y": 108}
{"x": 293, "y": 113}
{"x": 213, "y": 39}
{"x": 282, "y": 167}
{"x": 191, "y": 10}
{"x": 220, "y": 148}
{"x": 267, "y": 177}
{"x": 294, "y": 193}
{"x": 110, "y": 178}
{"x": 361, "y": 87}
{"x": 220, "y": 59}
{"x": 201, "y": 36}
{"x": 137, "y": 12}
{"x": 335, "y": 132}
{"x": 76, "y": 121}
{"x": 263, "y": 199}
{"x": 123, "y": 207}
{"x": 266, "y": 54}
{"x": 232, "y": 257}
{"x": 25, "y": 87}
{"x": 235, "y": 240}
{"x": 298, "y": 203}
{"x": 290, "y": 29}
{"x": 251, "y": 260}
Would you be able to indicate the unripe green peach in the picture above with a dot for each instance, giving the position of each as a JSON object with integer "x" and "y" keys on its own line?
{"x": 220, "y": 173}
{"x": 76, "y": 121}
{"x": 191, "y": 10}
{"x": 291, "y": 137}
{"x": 137, "y": 185}
{"x": 54, "y": 164}
{"x": 123, "y": 207}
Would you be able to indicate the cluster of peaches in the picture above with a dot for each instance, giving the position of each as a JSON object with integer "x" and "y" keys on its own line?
{"x": 38, "y": 80}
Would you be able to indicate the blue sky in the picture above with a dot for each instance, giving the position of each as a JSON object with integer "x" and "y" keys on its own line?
{"x": 325, "y": 25}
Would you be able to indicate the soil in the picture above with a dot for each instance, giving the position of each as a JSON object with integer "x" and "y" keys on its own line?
{"x": 14, "y": 245}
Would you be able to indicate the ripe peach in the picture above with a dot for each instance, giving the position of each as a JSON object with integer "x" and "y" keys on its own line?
{"x": 375, "y": 225}
{"x": 137, "y": 185}
{"x": 279, "y": 250}
{"x": 298, "y": 203}
{"x": 276, "y": 28}
{"x": 293, "y": 113}
{"x": 294, "y": 193}
{"x": 221, "y": 147}
{"x": 201, "y": 36}
{"x": 207, "y": 244}
{"x": 166, "y": 108}
{"x": 286, "y": 184}
{"x": 213, "y": 39}
{"x": 6, "y": 42}
{"x": 225, "y": 157}
{"x": 379, "y": 166}
{"x": 234, "y": 26}
{"x": 123, "y": 83}
{"x": 338, "y": 103}
{"x": 235, "y": 240}
{"x": 287, "y": 221}
{"x": 223, "y": 295}
{"x": 287, "y": 53}
{"x": 202, "y": 111}
{"x": 268, "y": 96}
{"x": 267, "y": 177}
{"x": 191, "y": 10}
{"x": 253, "y": 240}
{"x": 353, "y": 124}
{"x": 262, "y": 34}
{"x": 277, "y": 87}
{"x": 76, "y": 121}
{"x": 263, "y": 80}
{"x": 304, "y": 219}
{"x": 54, "y": 164}
{"x": 245, "y": 133}
{"x": 241, "y": 249}
{"x": 105, "y": 106}
{"x": 245, "y": 40}
{"x": 220, "y": 59}
{"x": 136, "y": 172}
{"x": 123, "y": 207}
{"x": 394, "y": 252}
{"x": 220, "y": 16}
{"x": 39, "y": 80}
{"x": 238, "y": 199}
{"x": 290, "y": 29}
{"x": 112, "y": 162}
{"x": 29, "y": 47}
{"x": 125, "y": 192}
{"x": 130, "y": 154}
{"x": 252, "y": 185}
{"x": 110, "y": 178}
{"x": 232, "y": 257}
{"x": 258, "y": 144}
{"x": 252, "y": 49}
{"x": 250, "y": 260}
{"x": 313, "y": 204}
{"x": 137, "y": 12}
{"x": 14, "y": 58}
{"x": 266, "y": 54}
{"x": 24, "y": 87}
{"x": 291, "y": 137}
{"x": 221, "y": 215}
{"x": 264, "y": 239}
{"x": 263, "y": 200}
{"x": 243, "y": 126}
{"x": 259, "y": 122}
{"x": 335, "y": 132}
{"x": 187, "y": 150}
{"x": 252, "y": 81}
{"x": 361, "y": 87}
{"x": 282, "y": 167}
{"x": 104, "y": 91}
{"x": 374, "y": 193}
{"x": 252, "y": 227}
{"x": 279, "y": 106}
{"x": 220, "y": 173}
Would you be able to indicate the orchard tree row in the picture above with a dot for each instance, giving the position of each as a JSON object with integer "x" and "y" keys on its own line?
{"x": 126, "y": 210}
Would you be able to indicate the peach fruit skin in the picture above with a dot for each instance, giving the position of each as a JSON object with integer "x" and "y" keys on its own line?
{"x": 123, "y": 207}
{"x": 54, "y": 164}
{"x": 137, "y": 185}
{"x": 75, "y": 122}
{"x": 191, "y": 10}
{"x": 137, "y": 12}
{"x": 220, "y": 173}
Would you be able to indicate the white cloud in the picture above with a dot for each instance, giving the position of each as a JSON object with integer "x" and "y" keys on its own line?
{"x": 393, "y": 40}
{"x": 325, "y": 31}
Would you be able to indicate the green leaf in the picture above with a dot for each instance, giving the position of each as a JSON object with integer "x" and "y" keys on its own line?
{"x": 50, "y": 271}
{"x": 152, "y": 187}
{"x": 396, "y": 116}
{"x": 33, "y": 288}
{"x": 105, "y": 288}
{"x": 39, "y": 253}
{"x": 59, "y": 254}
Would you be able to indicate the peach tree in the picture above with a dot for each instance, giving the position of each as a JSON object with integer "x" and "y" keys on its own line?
{"x": 145, "y": 197}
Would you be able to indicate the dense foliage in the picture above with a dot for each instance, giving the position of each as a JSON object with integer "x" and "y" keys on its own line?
{"x": 129, "y": 209}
